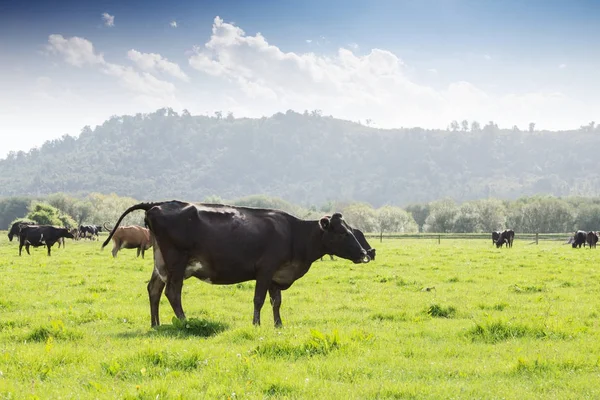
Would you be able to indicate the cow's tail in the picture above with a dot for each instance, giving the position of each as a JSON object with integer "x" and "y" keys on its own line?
{"x": 107, "y": 228}
{"x": 141, "y": 206}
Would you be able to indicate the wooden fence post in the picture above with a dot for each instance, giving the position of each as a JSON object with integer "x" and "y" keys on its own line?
{"x": 536, "y": 238}
{"x": 439, "y": 239}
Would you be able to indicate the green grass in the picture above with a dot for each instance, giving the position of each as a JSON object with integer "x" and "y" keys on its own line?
{"x": 460, "y": 319}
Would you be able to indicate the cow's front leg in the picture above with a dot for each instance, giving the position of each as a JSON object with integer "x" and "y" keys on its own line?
{"x": 275, "y": 294}
{"x": 49, "y": 247}
{"x": 27, "y": 249}
{"x": 260, "y": 293}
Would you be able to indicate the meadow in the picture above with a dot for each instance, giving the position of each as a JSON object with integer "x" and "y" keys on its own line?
{"x": 456, "y": 320}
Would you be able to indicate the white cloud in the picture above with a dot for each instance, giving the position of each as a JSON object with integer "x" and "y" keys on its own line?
{"x": 152, "y": 62}
{"x": 433, "y": 71}
{"x": 109, "y": 20}
{"x": 76, "y": 51}
{"x": 309, "y": 41}
{"x": 80, "y": 52}
{"x": 173, "y": 24}
{"x": 487, "y": 57}
{"x": 562, "y": 66}
{"x": 264, "y": 80}
{"x": 353, "y": 46}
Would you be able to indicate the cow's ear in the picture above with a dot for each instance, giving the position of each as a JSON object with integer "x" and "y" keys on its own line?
{"x": 324, "y": 223}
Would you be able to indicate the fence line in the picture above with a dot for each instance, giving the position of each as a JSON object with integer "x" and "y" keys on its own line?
{"x": 532, "y": 237}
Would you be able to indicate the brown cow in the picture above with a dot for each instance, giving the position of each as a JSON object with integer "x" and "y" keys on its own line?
{"x": 131, "y": 237}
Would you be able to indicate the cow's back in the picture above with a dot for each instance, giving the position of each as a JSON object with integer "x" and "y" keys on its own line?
{"x": 219, "y": 232}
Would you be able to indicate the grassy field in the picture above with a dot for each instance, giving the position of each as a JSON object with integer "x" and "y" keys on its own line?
{"x": 520, "y": 323}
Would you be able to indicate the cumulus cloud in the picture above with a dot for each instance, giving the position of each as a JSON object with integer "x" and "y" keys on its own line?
{"x": 109, "y": 20}
{"x": 376, "y": 85}
{"x": 76, "y": 51}
{"x": 153, "y": 62}
{"x": 80, "y": 52}
{"x": 562, "y": 66}
{"x": 173, "y": 24}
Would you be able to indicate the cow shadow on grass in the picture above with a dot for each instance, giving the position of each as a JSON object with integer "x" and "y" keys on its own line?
{"x": 190, "y": 327}
{"x": 181, "y": 329}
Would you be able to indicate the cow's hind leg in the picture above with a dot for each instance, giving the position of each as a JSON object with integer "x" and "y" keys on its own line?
{"x": 138, "y": 252}
{"x": 275, "y": 294}
{"x": 177, "y": 263}
{"x": 49, "y": 247}
{"x": 260, "y": 293}
{"x": 155, "y": 289}
{"x": 116, "y": 247}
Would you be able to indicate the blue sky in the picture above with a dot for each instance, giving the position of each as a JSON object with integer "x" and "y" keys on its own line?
{"x": 399, "y": 63}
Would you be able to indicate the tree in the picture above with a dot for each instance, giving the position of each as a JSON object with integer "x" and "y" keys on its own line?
{"x": 361, "y": 216}
{"x": 392, "y": 219}
{"x": 531, "y": 127}
{"x": 441, "y": 216}
{"x": 465, "y": 125}
{"x": 475, "y": 127}
{"x": 454, "y": 126}
{"x": 45, "y": 214}
{"x": 419, "y": 212}
{"x": 12, "y": 208}
{"x": 219, "y": 115}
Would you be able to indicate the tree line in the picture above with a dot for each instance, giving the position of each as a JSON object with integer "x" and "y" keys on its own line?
{"x": 534, "y": 214}
{"x": 306, "y": 158}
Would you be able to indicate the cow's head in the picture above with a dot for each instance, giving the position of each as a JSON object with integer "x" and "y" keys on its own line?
{"x": 339, "y": 240}
{"x": 67, "y": 233}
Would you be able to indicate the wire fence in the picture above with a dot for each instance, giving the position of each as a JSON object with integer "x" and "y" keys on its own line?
{"x": 530, "y": 237}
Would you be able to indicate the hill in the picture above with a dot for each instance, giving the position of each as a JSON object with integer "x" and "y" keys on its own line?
{"x": 304, "y": 158}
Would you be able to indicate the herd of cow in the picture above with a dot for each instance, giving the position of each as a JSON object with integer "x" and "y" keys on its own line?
{"x": 33, "y": 235}
{"x": 222, "y": 245}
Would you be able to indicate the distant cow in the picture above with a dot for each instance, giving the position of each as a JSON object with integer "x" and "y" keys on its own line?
{"x": 131, "y": 237}
{"x": 495, "y": 236}
{"x": 41, "y": 235}
{"x": 579, "y": 239}
{"x": 592, "y": 239}
{"x": 506, "y": 236}
{"x": 224, "y": 245}
{"x": 16, "y": 228}
{"x": 88, "y": 231}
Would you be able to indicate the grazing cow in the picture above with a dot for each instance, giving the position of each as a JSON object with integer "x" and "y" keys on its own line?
{"x": 41, "y": 235}
{"x": 16, "y": 228}
{"x": 495, "y": 236}
{"x": 131, "y": 237}
{"x": 88, "y": 231}
{"x": 579, "y": 239}
{"x": 98, "y": 228}
{"x": 592, "y": 239}
{"x": 224, "y": 245}
{"x": 507, "y": 236}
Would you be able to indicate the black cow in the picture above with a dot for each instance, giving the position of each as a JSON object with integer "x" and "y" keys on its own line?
{"x": 88, "y": 231}
{"x": 223, "y": 245}
{"x": 41, "y": 235}
{"x": 506, "y": 236}
{"x": 495, "y": 236}
{"x": 592, "y": 239}
{"x": 578, "y": 239}
{"x": 16, "y": 228}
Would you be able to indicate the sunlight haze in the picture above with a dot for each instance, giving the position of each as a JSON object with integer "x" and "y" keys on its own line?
{"x": 70, "y": 64}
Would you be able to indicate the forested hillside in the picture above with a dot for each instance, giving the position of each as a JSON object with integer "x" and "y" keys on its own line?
{"x": 305, "y": 158}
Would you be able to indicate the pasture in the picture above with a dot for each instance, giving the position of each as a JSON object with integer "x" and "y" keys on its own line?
{"x": 495, "y": 323}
